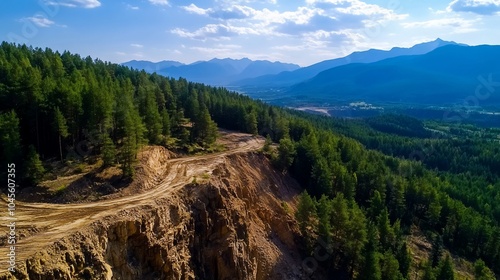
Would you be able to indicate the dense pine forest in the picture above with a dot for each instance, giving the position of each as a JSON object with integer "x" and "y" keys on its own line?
{"x": 367, "y": 184}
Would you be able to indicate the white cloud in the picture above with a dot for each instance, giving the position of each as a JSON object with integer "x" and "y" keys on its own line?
{"x": 130, "y": 7}
{"x": 457, "y": 24}
{"x": 444, "y": 22}
{"x": 136, "y": 45}
{"x": 89, "y": 4}
{"x": 327, "y": 28}
{"x": 215, "y": 31}
{"x": 39, "y": 21}
{"x": 225, "y": 13}
{"x": 214, "y": 50}
{"x": 192, "y": 8}
{"x": 317, "y": 15}
{"x": 136, "y": 54}
{"x": 247, "y": 1}
{"x": 482, "y": 7}
{"x": 159, "y": 2}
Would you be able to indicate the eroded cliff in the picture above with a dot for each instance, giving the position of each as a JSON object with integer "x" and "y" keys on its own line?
{"x": 234, "y": 222}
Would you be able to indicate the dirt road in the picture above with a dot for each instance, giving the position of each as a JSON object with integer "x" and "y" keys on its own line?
{"x": 45, "y": 223}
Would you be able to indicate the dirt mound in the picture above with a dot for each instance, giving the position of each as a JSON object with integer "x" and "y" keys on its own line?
{"x": 99, "y": 183}
{"x": 152, "y": 168}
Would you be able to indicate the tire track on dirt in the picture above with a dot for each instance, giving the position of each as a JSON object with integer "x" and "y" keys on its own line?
{"x": 55, "y": 221}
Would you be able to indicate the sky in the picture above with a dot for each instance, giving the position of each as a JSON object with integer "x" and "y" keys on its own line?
{"x": 302, "y": 31}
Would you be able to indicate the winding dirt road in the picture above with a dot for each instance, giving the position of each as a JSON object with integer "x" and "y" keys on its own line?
{"x": 55, "y": 221}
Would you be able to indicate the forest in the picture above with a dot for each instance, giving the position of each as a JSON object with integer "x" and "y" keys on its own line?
{"x": 366, "y": 183}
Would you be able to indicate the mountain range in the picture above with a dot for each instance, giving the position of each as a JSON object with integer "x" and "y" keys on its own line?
{"x": 292, "y": 77}
{"x": 217, "y": 72}
{"x": 151, "y": 67}
{"x": 432, "y": 73}
{"x": 451, "y": 74}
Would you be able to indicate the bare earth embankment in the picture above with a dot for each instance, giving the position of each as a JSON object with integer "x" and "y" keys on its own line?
{"x": 218, "y": 216}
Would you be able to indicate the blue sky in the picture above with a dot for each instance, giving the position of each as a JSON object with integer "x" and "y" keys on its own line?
{"x": 302, "y": 31}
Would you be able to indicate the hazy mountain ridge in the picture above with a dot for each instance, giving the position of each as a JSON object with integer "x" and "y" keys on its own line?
{"x": 215, "y": 71}
{"x": 151, "y": 67}
{"x": 285, "y": 79}
{"x": 446, "y": 75}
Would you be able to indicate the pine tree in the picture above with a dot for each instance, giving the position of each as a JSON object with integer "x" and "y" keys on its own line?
{"x": 130, "y": 129}
{"x": 371, "y": 263}
{"x": 324, "y": 210}
{"x": 251, "y": 122}
{"x": 166, "y": 123}
{"x": 305, "y": 215}
{"x": 433, "y": 213}
{"x": 386, "y": 233}
{"x": 322, "y": 177}
{"x": 390, "y": 267}
{"x": 267, "y": 145}
{"x": 193, "y": 106}
{"x": 10, "y": 144}
{"x": 339, "y": 220}
{"x": 445, "y": 271}
{"x": 152, "y": 119}
{"x": 286, "y": 154}
{"x": 437, "y": 250}
{"x": 377, "y": 205}
{"x": 34, "y": 168}
{"x": 428, "y": 272}
{"x": 482, "y": 272}
{"x": 404, "y": 259}
{"x": 129, "y": 148}
{"x": 61, "y": 128}
{"x": 356, "y": 238}
{"x": 204, "y": 131}
{"x": 108, "y": 150}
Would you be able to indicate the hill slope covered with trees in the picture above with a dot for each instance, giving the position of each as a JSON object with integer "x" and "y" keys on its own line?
{"x": 359, "y": 204}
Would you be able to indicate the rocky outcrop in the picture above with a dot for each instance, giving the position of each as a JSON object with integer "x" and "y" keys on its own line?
{"x": 231, "y": 225}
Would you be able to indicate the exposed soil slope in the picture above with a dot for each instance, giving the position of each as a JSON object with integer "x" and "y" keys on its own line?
{"x": 230, "y": 224}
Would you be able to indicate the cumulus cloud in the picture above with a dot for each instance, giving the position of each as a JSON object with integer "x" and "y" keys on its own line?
{"x": 482, "y": 7}
{"x": 39, "y": 21}
{"x": 192, "y": 8}
{"x": 226, "y": 13}
{"x": 159, "y": 2}
{"x": 457, "y": 24}
{"x": 130, "y": 7}
{"x": 247, "y": 1}
{"x": 89, "y": 4}
{"x": 317, "y": 24}
{"x": 218, "y": 49}
{"x": 217, "y": 31}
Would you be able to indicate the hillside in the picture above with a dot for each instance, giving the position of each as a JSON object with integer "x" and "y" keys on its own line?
{"x": 445, "y": 76}
{"x": 157, "y": 190}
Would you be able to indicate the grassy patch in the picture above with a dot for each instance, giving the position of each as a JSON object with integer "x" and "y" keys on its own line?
{"x": 205, "y": 176}
{"x": 286, "y": 207}
{"x": 60, "y": 189}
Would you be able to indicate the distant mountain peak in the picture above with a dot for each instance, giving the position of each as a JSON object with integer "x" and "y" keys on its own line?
{"x": 216, "y": 71}
{"x": 372, "y": 55}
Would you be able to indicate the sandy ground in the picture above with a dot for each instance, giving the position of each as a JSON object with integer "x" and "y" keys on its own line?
{"x": 41, "y": 224}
